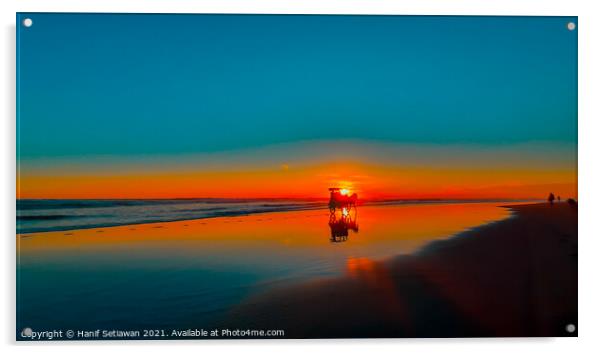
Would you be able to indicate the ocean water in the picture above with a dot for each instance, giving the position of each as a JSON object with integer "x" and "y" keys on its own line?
{"x": 59, "y": 215}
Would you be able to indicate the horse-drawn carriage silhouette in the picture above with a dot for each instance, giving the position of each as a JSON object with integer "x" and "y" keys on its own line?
{"x": 339, "y": 199}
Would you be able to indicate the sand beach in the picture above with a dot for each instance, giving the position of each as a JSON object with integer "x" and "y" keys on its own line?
{"x": 426, "y": 270}
{"x": 515, "y": 277}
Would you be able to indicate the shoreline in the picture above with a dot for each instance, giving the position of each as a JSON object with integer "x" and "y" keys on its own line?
{"x": 512, "y": 278}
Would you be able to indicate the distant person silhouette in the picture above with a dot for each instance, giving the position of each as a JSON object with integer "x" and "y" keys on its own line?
{"x": 558, "y": 199}
{"x": 551, "y": 198}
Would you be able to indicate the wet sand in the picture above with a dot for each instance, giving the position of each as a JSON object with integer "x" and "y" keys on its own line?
{"x": 515, "y": 277}
{"x": 190, "y": 274}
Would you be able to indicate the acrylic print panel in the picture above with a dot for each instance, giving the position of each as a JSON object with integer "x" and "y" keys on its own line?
{"x": 292, "y": 176}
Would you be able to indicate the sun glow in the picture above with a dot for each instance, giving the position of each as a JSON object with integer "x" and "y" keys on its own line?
{"x": 370, "y": 181}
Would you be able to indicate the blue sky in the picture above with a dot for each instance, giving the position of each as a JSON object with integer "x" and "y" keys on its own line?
{"x": 120, "y": 85}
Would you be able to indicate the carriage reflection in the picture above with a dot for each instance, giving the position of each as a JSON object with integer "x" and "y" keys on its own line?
{"x": 341, "y": 221}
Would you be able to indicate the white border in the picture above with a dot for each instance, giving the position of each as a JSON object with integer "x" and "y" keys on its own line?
{"x": 590, "y": 176}
{"x": 400, "y": 7}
